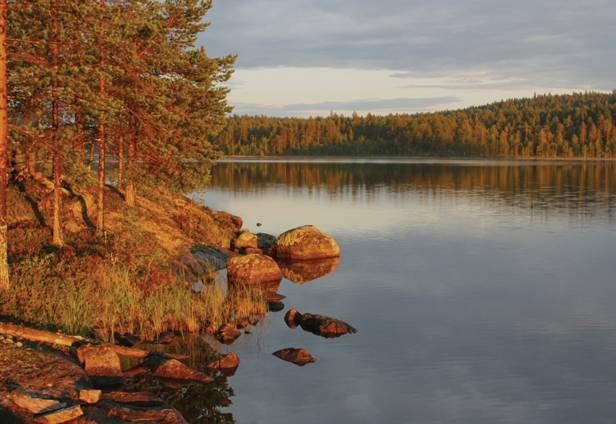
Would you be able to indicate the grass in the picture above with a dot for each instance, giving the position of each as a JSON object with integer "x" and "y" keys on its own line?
{"x": 120, "y": 281}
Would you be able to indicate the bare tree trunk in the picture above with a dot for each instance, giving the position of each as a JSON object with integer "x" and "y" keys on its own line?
{"x": 65, "y": 340}
{"x": 4, "y": 266}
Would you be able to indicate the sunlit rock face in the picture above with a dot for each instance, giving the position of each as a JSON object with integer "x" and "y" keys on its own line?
{"x": 297, "y": 356}
{"x": 320, "y": 325}
{"x": 101, "y": 364}
{"x": 252, "y": 269}
{"x": 307, "y": 242}
{"x": 247, "y": 239}
{"x": 301, "y": 272}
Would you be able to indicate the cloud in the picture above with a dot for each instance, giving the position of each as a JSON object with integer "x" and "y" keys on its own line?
{"x": 569, "y": 41}
{"x": 362, "y": 106}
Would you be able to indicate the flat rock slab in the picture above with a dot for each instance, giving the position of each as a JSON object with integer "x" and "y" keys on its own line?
{"x": 60, "y": 416}
{"x": 297, "y": 356}
{"x": 201, "y": 260}
{"x": 101, "y": 364}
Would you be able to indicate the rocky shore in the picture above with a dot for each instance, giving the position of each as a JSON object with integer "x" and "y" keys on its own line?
{"x": 84, "y": 382}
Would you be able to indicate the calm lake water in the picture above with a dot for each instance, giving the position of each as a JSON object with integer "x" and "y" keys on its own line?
{"x": 482, "y": 291}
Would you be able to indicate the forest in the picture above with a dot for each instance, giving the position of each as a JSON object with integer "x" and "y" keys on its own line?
{"x": 580, "y": 125}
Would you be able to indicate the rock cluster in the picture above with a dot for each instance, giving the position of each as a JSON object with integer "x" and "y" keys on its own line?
{"x": 51, "y": 387}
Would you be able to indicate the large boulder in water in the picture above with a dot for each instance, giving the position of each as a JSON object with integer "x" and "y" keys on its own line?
{"x": 252, "y": 269}
{"x": 307, "y": 242}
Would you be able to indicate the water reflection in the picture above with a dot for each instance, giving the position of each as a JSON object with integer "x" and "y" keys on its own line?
{"x": 301, "y": 272}
{"x": 482, "y": 291}
{"x": 574, "y": 187}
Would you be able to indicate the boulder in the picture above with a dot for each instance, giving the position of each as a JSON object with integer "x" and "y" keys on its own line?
{"x": 320, "y": 325}
{"x": 292, "y": 318}
{"x": 246, "y": 239}
{"x": 265, "y": 242}
{"x": 101, "y": 364}
{"x": 307, "y": 242}
{"x": 90, "y": 396}
{"x": 301, "y": 272}
{"x": 252, "y": 269}
{"x": 297, "y": 356}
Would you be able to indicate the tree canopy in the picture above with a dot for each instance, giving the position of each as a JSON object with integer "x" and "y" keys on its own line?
{"x": 580, "y": 125}
{"x": 108, "y": 76}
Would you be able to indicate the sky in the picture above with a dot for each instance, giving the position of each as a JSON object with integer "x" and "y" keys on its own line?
{"x": 311, "y": 57}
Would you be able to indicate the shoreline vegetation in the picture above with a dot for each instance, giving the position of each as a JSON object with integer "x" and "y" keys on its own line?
{"x": 122, "y": 281}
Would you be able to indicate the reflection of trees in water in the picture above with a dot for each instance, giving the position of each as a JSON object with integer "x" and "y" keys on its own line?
{"x": 197, "y": 402}
{"x": 580, "y": 187}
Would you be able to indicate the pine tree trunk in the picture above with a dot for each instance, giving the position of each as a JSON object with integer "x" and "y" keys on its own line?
{"x": 57, "y": 158}
{"x": 120, "y": 161}
{"x": 129, "y": 194}
{"x": 4, "y": 267}
{"x": 57, "y": 200}
{"x": 100, "y": 216}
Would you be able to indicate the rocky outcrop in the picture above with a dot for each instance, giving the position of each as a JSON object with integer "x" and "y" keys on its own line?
{"x": 320, "y": 325}
{"x": 307, "y": 242}
{"x": 297, "y": 356}
{"x": 301, "y": 272}
{"x": 252, "y": 269}
{"x": 30, "y": 380}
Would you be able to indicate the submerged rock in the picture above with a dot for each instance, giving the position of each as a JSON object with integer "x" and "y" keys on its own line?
{"x": 320, "y": 325}
{"x": 297, "y": 356}
{"x": 301, "y": 272}
{"x": 228, "y": 361}
{"x": 163, "y": 367}
{"x": 307, "y": 242}
{"x": 227, "y": 333}
{"x": 252, "y": 269}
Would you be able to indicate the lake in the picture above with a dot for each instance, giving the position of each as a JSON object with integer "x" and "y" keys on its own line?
{"x": 482, "y": 291}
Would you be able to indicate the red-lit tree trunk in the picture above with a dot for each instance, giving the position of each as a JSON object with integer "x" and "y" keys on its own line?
{"x": 57, "y": 157}
{"x": 100, "y": 215}
{"x": 4, "y": 267}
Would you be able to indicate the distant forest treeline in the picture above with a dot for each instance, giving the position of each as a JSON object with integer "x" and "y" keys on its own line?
{"x": 548, "y": 126}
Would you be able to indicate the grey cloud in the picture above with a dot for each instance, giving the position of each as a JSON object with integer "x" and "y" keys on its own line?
{"x": 365, "y": 105}
{"x": 536, "y": 39}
